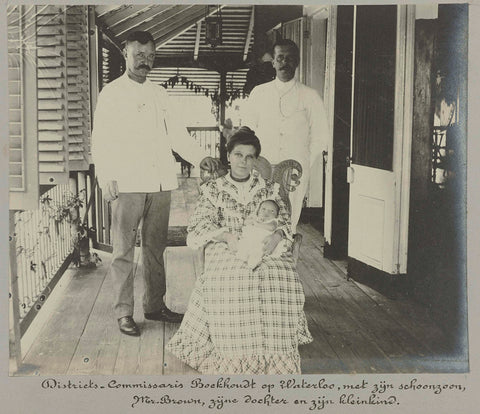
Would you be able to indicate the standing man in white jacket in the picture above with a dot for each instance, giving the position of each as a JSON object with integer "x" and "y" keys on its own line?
{"x": 135, "y": 130}
{"x": 289, "y": 118}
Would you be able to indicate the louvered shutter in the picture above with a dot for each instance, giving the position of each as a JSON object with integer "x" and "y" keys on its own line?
{"x": 78, "y": 90}
{"x": 52, "y": 95}
{"x": 105, "y": 66}
{"x": 15, "y": 117}
{"x": 22, "y": 103}
{"x": 113, "y": 62}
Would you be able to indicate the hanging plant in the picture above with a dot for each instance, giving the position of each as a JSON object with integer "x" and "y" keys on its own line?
{"x": 68, "y": 212}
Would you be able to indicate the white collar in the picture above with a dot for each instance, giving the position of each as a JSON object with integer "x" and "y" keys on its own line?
{"x": 132, "y": 83}
{"x": 284, "y": 86}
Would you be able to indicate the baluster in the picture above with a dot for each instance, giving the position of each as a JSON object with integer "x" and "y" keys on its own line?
{"x": 30, "y": 258}
{"x": 15, "y": 353}
{"x": 51, "y": 233}
{"x": 100, "y": 232}
{"x": 38, "y": 253}
{"x": 21, "y": 260}
{"x": 44, "y": 223}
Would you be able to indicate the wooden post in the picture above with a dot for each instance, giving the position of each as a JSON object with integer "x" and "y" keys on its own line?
{"x": 223, "y": 96}
{"x": 92, "y": 219}
{"x": 422, "y": 133}
{"x": 15, "y": 349}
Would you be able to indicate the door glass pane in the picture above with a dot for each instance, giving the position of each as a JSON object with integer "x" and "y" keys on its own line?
{"x": 374, "y": 92}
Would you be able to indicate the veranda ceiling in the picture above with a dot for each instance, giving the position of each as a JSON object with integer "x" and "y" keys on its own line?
{"x": 179, "y": 30}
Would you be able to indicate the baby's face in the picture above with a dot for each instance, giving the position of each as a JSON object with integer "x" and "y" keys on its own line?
{"x": 267, "y": 211}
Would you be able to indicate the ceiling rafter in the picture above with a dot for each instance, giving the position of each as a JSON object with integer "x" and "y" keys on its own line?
{"x": 150, "y": 25}
{"x": 118, "y": 16}
{"x": 197, "y": 40}
{"x": 249, "y": 34}
{"x": 103, "y": 10}
{"x": 174, "y": 27}
{"x": 187, "y": 24}
{"x": 153, "y": 12}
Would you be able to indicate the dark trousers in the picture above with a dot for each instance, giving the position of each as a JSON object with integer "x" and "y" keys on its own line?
{"x": 127, "y": 211}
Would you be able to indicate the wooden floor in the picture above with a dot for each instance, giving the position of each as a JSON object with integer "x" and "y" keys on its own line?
{"x": 355, "y": 329}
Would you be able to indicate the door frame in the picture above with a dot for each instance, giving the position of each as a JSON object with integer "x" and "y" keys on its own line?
{"x": 329, "y": 100}
{"x": 405, "y": 126}
{"x": 403, "y": 122}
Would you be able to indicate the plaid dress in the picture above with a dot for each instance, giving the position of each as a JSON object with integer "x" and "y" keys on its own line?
{"x": 240, "y": 321}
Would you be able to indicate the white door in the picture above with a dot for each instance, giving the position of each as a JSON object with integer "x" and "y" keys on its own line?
{"x": 381, "y": 136}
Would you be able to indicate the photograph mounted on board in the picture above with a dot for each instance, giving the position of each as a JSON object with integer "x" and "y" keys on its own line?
{"x": 237, "y": 189}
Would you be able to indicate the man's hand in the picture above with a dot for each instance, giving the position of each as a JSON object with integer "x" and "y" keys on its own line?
{"x": 271, "y": 241}
{"x": 210, "y": 164}
{"x": 110, "y": 191}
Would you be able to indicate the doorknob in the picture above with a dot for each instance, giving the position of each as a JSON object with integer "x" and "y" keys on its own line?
{"x": 350, "y": 175}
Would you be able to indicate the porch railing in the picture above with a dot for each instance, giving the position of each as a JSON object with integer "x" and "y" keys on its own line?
{"x": 44, "y": 243}
{"x": 439, "y": 157}
{"x": 208, "y": 138}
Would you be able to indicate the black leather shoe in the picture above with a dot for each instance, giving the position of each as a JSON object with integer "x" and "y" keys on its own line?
{"x": 128, "y": 326}
{"x": 164, "y": 315}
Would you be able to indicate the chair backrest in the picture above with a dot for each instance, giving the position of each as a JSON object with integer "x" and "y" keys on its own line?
{"x": 286, "y": 173}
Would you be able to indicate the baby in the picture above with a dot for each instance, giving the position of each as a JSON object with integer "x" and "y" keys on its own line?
{"x": 250, "y": 246}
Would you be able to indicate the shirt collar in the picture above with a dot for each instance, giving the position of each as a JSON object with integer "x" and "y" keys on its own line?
{"x": 132, "y": 83}
{"x": 284, "y": 86}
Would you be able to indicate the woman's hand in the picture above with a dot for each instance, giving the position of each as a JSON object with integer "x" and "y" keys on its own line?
{"x": 230, "y": 239}
{"x": 271, "y": 242}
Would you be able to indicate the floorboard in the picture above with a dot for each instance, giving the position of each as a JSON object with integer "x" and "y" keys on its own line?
{"x": 57, "y": 343}
{"x": 355, "y": 329}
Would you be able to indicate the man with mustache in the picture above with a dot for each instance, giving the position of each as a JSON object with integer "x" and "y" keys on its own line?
{"x": 135, "y": 130}
{"x": 290, "y": 119}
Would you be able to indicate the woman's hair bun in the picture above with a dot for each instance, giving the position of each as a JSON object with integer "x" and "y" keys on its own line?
{"x": 244, "y": 136}
{"x": 245, "y": 130}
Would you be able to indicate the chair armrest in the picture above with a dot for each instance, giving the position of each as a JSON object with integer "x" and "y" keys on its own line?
{"x": 297, "y": 241}
{"x": 199, "y": 260}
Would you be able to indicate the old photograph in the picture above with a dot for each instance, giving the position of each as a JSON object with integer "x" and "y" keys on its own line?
{"x": 237, "y": 189}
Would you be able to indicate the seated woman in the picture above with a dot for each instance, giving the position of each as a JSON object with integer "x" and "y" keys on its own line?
{"x": 239, "y": 320}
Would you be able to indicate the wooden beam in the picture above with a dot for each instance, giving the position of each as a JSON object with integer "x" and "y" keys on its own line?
{"x": 249, "y": 34}
{"x": 120, "y": 15}
{"x": 422, "y": 129}
{"x": 102, "y": 10}
{"x": 156, "y": 13}
{"x": 197, "y": 40}
{"x": 152, "y": 24}
{"x": 110, "y": 36}
{"x": 179, "y": 25}
{"x": 177, "y": 28}
{"x": 226, "y": 62}
{"x": 223, "y": 96}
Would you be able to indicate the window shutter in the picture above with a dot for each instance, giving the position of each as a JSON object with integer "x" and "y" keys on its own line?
{"x": 15, "y": 96}
{"x": 105, "y": 66}
{"x": 22, "y": 121}
{"x": 113, "y": 62}
{"x": 78, "y": 88}
{"x": 52, "y": 95}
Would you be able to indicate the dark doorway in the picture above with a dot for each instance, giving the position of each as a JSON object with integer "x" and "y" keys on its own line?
{"x": 341, "y": 134}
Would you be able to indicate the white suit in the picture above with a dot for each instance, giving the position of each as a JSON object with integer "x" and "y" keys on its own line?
{"x": 290, "y": 120}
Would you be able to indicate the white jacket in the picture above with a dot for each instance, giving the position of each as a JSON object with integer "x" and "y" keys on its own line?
{"x": 135, "y": 130}
{"x": 290, "y": 120}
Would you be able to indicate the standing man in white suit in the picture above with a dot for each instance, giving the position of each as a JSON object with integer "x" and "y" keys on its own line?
{"x": 135, "y": 130}
{"x": 289, "y": 118}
